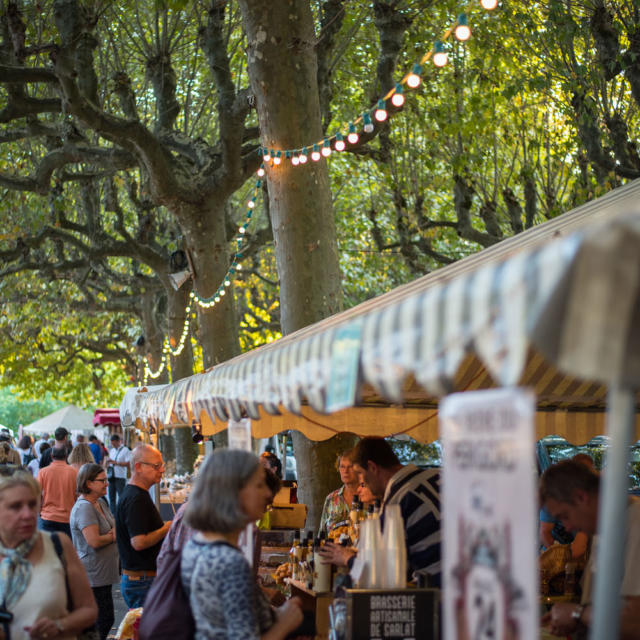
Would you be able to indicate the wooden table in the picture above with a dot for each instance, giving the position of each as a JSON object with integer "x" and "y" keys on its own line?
{"x": 316, "y": 602}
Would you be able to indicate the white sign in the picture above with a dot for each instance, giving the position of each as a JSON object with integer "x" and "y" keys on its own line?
{"x": 490, "y": 575}
{"x": 240, "y": 438}
{"x": 240, "y": 434}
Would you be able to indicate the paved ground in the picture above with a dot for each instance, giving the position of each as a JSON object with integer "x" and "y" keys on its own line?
{"x": 120, "y": 609}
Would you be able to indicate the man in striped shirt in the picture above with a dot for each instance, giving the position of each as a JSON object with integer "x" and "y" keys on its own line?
{"x": 417, "y": 491}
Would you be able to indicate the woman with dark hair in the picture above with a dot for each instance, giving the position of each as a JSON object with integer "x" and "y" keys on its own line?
{"x": 94, "y": 536}
{"x": 229, "y": 493}
{"x": 24, "y": 450}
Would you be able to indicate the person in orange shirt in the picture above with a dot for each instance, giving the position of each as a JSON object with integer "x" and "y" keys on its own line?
{"x": 58, "y": 482}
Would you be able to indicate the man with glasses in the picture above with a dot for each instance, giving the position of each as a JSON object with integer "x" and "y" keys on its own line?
{"x": 139, "y": 527}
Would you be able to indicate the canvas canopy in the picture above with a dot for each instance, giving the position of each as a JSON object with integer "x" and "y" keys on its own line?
{"x": 72, "y": 418}
{"x": 554, "y": 308}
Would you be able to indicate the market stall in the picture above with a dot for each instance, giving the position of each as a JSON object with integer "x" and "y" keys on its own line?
{"x": 555, "y": 308}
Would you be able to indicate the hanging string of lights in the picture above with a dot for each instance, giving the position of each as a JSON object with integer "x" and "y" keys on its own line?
{"x": 208, "y": 303}
{"x": 320, "y": 149}
{"x": 412, "y": 80}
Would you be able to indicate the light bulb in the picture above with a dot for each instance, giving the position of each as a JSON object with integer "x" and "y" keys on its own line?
{"x": 227, "y": 283}
{"x": 266, "y": 156}
{"x": 238, "y": 267}
{"x": 381, "y": 112}
{"x": 241, "y": 230}
{"x": 413, "y": 79}
{"x": 260, "y": 172}
{"x": 339, "y": 145}
{"x": 352, "y": 136}
{"x": 440, "y": 59}
{"x": 397, "y": 99}
{"x": 489, "y": 4}
{"x": 439, "y": 54}
{"x": 462, "y": 31}
{"x": 278, "y": 158}
{"x": 251, "y": 204}
{"x": 368, "y": 125}
{"x": 222, "y": 292}
{"x": 303, "y": 155}
{"x": 295, "y": 160}
{"x": 315, "y": 154}
{"x": 326, "y": 149}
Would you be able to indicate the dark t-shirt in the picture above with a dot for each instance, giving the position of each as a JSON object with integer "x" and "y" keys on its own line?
{"x": 136, "y": 515}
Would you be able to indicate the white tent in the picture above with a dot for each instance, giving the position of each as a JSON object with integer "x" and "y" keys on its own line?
{"x": 72, "y": 418}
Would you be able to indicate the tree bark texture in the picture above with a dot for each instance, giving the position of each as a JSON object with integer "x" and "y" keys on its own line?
{"x": 283, "y": 71}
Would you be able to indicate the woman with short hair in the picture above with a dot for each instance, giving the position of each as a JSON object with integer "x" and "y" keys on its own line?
{"x": 229, "y": 493}
{"x": 33, "y": 584}
{"x": 94, "y": 536}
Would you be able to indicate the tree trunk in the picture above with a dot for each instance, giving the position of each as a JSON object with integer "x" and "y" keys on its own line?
{"x": 283, "y": 72}
{"x": 205, "y": 233}
{"x": 186, "y": 450}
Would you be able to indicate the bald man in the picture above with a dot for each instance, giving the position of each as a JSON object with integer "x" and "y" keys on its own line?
{"x": 139, "y": 527}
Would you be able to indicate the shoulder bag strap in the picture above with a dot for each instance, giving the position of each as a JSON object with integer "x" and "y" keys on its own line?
{"x": 57, "y": 545}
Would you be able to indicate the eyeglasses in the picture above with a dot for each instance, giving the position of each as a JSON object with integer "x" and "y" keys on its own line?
{"x": 103, "y": 480}
{"x": 155, "y": 465}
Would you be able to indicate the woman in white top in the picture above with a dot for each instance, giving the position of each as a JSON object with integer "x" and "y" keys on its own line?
{"x": 32, "y": 578}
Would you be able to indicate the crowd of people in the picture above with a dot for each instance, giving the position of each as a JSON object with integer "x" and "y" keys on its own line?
{"x": 59, "y": 557}
{"x": 63, "y": 544}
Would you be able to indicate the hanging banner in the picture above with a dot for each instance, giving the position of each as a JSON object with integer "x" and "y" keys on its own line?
{"x": 240, "y": 434}
{"x": 490, "y": 571}
{"x": 345, "y": 358}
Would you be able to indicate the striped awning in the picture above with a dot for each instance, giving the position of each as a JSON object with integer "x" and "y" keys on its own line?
{"x": 556, "y": 308}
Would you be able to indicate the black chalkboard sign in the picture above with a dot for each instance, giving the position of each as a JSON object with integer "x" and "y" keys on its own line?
{"x": 392, "y": 614}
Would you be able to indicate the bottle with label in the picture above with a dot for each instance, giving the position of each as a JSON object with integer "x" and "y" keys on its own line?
{"x": 293, "y": 555}
{"x": 309, "y": 562}
{"x": 353, "y": 517}
{"x": 362, "y": 512}
{"x": 321, "y": 571}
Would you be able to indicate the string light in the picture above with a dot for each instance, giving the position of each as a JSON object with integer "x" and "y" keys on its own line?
{"x": 397, "y": 99}
{"x": 260, "y": 172}
{"x": 413, "y": 79}
{"x": 380, "y": 113}
{"x": 324, "y": 147}
{"x": 148, "y": 373}
{"x": 352, "y": 136}
{"x": 440, "y": 57}
{"x": 462, "y": 30}
{"x": 368, "y": 125}
{"x": 208, "y": 303}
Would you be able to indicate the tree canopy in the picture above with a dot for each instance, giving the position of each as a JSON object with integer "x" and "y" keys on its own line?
{"x": 130, "y": 136}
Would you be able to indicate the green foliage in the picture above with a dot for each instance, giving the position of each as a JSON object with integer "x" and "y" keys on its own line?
{"x": 14, "y": 412}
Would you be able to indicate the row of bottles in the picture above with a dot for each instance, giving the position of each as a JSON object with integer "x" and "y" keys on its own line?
{"x": 306, "y": 565}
